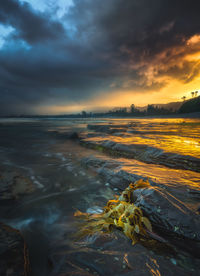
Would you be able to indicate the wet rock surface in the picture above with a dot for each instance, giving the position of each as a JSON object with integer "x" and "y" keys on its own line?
{"x": 144, "y": 153}
{"x": 71, "y": 178}
{"x": 111, "y": 138}
{"x": 120, "y": 172}
{"x": 13, "y": 184}
{"x": 113, "y": 254}
{"x": 167, "y": 213}
{"x": 14, "y": 259}
{"x": 107, "y": 170}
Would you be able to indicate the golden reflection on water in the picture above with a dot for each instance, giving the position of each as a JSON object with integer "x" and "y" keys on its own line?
{"x": 180, "y": 136}
{"x": 161, "y": 174}
{"x": 169, "y": 143}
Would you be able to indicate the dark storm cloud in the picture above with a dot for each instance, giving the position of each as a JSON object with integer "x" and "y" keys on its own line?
{"x": 29, "y": 25}
{"x": 101, "y": 45}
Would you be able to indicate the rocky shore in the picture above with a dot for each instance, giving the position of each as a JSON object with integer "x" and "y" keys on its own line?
{"x": 169, "y": 215}
{"x": 14, "y": 256}
{"x": 83, "y": 169}
{"x": 104, "y": 138}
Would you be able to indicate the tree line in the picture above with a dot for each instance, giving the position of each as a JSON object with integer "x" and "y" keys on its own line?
{"x": 134, "y": 111}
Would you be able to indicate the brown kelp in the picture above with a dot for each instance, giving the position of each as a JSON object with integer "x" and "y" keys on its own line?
{"x": 119, "y": 213}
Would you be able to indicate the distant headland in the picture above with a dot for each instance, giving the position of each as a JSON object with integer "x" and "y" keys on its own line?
{"x": 189, "y": 106}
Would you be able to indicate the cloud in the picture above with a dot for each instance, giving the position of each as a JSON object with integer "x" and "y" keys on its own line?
{"x": 30, "y": 26}
{"x": 93, "y": 48}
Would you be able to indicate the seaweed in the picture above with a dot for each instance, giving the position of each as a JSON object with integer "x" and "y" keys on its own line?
{"x": 119, "y": 213}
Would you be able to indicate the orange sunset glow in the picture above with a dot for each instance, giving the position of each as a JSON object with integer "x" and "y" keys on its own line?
{"x": 136, "y": 54}
{"x": 184, "y": 61}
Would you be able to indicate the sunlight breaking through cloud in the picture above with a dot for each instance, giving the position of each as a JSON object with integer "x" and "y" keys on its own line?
{"x": 60, "y": 6}
{"x": 5, "y": 31}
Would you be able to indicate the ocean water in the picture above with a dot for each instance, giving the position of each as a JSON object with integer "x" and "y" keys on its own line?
{"x": 39, "y": 150}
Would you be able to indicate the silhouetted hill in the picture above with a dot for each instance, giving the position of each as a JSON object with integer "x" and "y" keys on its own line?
{"x": 192, "y": 105}
{"x": 174, "y": 106}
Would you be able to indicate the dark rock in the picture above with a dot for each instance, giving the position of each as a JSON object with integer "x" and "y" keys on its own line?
{"x": 167, "y": 213}
{"x": 73, "y": 136}
{"x": 13, "y": 184}
{"x": 142, "y": 262}
{"x": 65, "y": 135}
{"x": 110, "y": 171}
{"x": 14, "y": 259}
{"x": 145, "y": 153}
{"x": 99, "y": 128}
{"x": 113, "y": 254}
{"x": 117, "y": 130}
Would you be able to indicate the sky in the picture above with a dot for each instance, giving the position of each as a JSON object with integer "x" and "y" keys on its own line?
{"x": 66, "y": 56}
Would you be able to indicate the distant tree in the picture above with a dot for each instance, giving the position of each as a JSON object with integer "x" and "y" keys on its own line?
{"x": 150, "y": 109}
{"x": 122, "y": 110}
{"x": 183, "y": 98}
{"x": 196, "y": 92}
{"x": 132, "y": 108}
{"x": 192, "y": 94}
{"x": 84, "y": 114}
